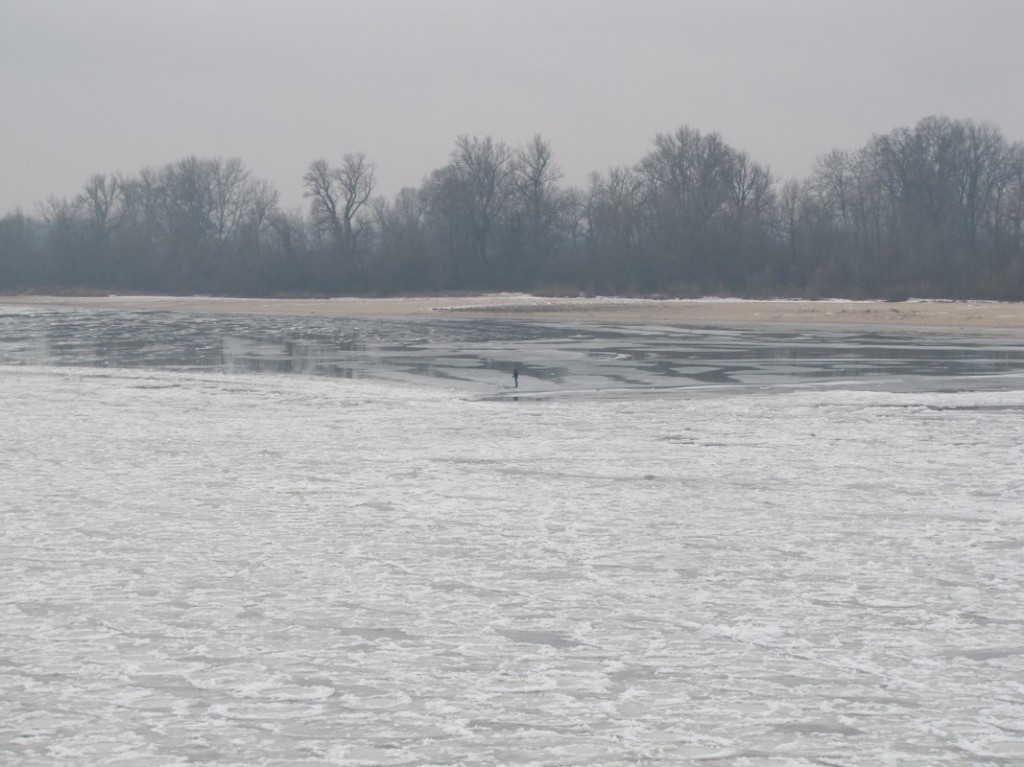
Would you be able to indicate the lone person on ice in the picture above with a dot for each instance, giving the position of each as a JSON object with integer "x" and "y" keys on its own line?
{"x": 515, "y": 376}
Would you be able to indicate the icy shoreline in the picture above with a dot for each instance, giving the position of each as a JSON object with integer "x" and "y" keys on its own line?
{"x": 937, "y": 314}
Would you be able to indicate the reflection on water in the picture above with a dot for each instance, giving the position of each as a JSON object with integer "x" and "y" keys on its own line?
{"x": 479, "y": 354}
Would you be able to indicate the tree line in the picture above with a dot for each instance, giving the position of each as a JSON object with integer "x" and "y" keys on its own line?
{"x": 936, "y": 210}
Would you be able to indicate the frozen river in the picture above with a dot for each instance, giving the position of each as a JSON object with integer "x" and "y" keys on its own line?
{"x": 244, "y": 540}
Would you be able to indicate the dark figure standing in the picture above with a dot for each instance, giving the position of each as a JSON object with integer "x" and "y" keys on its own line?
{"x": 515, "y": 376}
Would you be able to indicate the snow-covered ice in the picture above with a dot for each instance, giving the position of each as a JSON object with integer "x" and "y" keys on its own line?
{"x": 246, "y": 569}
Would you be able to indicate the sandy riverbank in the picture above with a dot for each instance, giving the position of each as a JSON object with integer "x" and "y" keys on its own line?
{"x": 926, "y": 314}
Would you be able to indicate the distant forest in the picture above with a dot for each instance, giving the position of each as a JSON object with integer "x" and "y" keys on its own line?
{"x": 936, "y": 210}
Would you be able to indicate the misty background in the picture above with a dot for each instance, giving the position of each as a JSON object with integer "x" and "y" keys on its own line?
{"x": 114, "y": 85}
{"x": 860, "y": 149}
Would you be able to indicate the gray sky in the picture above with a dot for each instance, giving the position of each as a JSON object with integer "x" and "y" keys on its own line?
{"x": 90, "y": 86}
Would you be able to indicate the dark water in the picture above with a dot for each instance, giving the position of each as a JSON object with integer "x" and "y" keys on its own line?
{"x": 479, "y": 355}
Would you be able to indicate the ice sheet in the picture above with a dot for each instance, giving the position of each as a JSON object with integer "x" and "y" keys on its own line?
{"x": 263, "y": 569}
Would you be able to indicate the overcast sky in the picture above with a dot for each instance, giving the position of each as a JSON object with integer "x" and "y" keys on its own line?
{"x": 89, "y": 86}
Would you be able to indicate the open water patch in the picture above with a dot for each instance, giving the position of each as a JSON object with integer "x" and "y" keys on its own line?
{"x": 577, "y": 360}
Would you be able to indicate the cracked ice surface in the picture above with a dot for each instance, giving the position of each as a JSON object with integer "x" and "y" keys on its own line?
{"x": 283, "y": 570}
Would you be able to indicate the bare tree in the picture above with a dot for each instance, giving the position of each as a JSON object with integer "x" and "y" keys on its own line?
{"x": 338, "y": 195}
{"x": 535, "y": 180}
{"x": 356, "y": 181}
{"x": 66, "y": 261}
{"x": 323, "y": 190}
{"x": 99, "y": 204}
{"x": 190, "y": 203}
{"x": 749, "y": 189}
{"x": 613, "y": 221}
{"x": 485, "y": 170}
{"x": 230, "y": 187}
{"x": 261, "y": 203}
{"x": 830, "y": 179}
{"x": 687, "y": 179}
